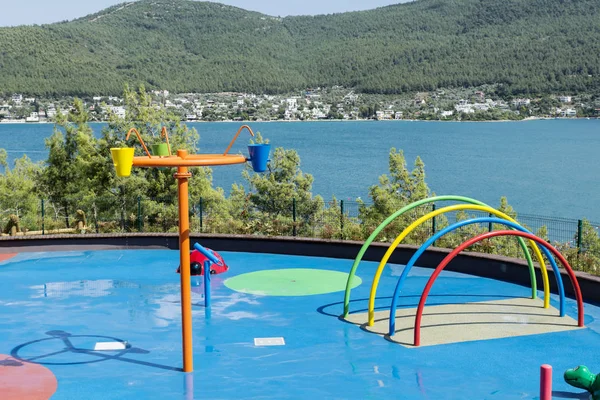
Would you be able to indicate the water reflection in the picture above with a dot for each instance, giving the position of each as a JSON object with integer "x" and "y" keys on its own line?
{"x": 85, "y": 288}
{"x": 161, "y": 302}
{"x": 169, "y": 308}
{"x": 188, "y": 386}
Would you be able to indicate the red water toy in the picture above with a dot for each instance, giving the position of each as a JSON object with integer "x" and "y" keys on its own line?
{"x": 197, "y": 260}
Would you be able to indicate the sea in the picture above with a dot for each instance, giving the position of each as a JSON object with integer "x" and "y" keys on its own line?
{"x": 544, "y": 167}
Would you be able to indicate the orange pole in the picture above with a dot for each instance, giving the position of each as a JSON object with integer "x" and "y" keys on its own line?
{"x": 164, "y": 133}
{"x": 235, "y": 137}
{"x": 182, "y": 177}
{"x": 139, "y": 138}
{"x": 182, "y": 161}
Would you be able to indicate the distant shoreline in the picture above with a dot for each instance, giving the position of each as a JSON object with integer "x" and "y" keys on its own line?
{"x": 23, "y": 122}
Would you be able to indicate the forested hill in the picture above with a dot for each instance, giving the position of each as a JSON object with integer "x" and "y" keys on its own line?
{"x": 530, "y": 46}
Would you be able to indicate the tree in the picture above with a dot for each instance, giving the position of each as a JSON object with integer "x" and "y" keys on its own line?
{"x": 17, "y": 191}
{"x": 393, "y": 192}
{"x": 587, "y": 257}
{"x": 271, "y": 194}
{"x": 73, "y": 160}
{"x": 3, "y": 157}
{"x": 80, "y": 172}
{"x": 149, "y": 119}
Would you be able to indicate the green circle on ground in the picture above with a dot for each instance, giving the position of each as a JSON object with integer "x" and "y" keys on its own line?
{"x": 291, "y": 282}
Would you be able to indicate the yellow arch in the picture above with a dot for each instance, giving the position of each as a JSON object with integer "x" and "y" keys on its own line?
{"x": 427, "y": 217}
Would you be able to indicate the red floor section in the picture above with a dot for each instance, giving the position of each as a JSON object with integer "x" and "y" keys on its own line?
{"x": 24, "y": 381}
{"x": 7, "y": 256}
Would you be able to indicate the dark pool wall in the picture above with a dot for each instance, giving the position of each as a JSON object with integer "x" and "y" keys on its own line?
{"x": 484, "y": 265}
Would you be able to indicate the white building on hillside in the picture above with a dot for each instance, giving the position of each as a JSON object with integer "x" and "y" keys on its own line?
{"x": 521, "y": 102}
{"x": 292, "y": 103}
{"x": 118, "y": 111}
{"x": 17, "y": 99}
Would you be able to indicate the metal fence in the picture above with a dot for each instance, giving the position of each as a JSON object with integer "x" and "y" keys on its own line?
{"x": 578, "y": 240}
{"x": 337, "y": 219}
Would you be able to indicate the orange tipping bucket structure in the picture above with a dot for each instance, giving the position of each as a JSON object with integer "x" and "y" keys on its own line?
{"x": 124, "y": 160}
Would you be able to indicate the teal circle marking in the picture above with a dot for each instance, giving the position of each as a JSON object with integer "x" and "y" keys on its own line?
{"x": 291, "y": 282}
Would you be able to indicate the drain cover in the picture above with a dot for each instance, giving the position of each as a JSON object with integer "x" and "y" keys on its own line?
{"x": 273, "y": 341}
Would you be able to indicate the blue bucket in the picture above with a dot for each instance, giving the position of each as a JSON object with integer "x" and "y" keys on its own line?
{"x": 259, "y": 155}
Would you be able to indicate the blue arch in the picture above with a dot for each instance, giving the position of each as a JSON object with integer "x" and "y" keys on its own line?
{"x": 431, "y": 240}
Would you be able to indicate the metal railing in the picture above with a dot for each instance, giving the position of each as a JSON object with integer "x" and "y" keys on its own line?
{"x": 345, "y": 220}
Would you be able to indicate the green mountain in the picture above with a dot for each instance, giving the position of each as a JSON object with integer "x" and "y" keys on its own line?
{"x": 528, "y": 46}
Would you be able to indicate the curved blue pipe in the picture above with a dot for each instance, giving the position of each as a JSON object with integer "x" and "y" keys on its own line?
{"x": 207, "y": 253}
{"x": 431, "y": 240}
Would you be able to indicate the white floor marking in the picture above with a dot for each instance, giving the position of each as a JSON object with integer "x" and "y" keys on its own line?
{"x": 274, "y": 341}
{"x": 110, "y": 346}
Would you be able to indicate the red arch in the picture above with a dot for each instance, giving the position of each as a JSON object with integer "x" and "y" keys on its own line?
{"x": 470, "y": 242}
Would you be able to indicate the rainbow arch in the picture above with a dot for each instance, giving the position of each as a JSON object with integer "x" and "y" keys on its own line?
{"x": 426, "y": 217}
{"x": 438, "y": 235}
{"x": 405, "y": 209}
{"x": 472, "y": 241}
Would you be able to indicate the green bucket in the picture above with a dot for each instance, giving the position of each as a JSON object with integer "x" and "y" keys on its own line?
{"x": 161, "y": 150}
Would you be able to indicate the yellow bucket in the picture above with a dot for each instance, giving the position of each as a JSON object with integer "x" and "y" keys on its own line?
{"x": 123, "y": 160}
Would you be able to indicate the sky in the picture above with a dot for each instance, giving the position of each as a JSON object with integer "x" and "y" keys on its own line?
{"x": 29, "y": 12}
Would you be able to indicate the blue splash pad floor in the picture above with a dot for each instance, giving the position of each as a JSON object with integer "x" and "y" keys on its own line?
{"x": 133, "y": 296}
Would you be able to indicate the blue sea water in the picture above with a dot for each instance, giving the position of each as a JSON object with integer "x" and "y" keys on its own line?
{"x": 545, "y": 167}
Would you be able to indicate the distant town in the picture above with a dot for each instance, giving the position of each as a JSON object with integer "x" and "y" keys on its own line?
{"x": 335, "y": 103}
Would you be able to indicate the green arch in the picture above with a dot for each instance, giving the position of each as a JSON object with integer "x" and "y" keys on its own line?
{"x": 409, "y": 207}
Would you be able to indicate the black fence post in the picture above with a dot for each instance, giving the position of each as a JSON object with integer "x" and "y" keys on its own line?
{"x": 433, "y": 221}
{"x": 96, "y": 218}
{"x": 201, "y": 205}
{"x": 433, "y": 227}
{"x": 490, "y": 228}
{"x": 139, "y": 216}
{"x": 342, "y": 219}
{"x": 43, "y": 217}
{"x": 294, "y": 228}
{"x": 66, "y": 215}
{"x": 579, "y": 234}
{"x": 123, "y": 217}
